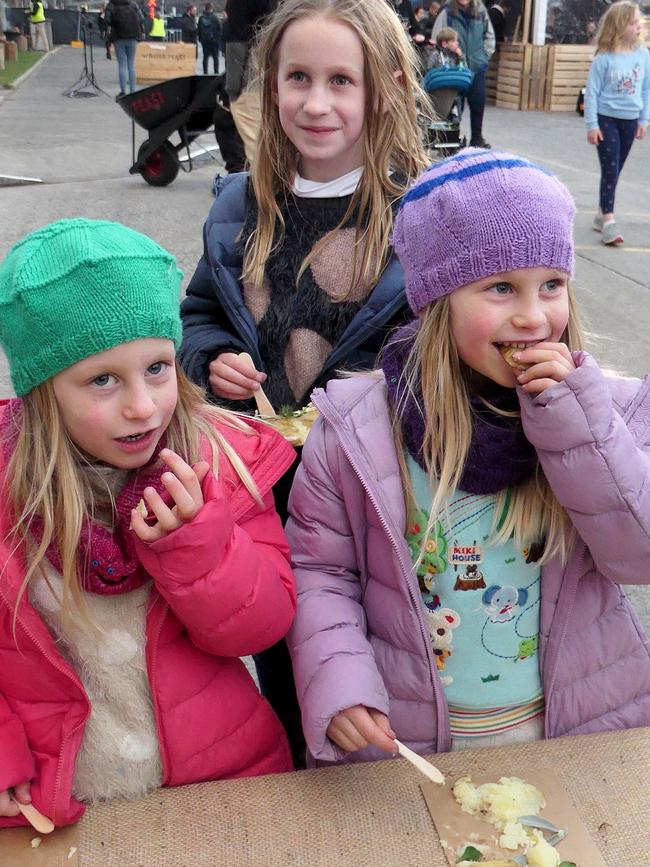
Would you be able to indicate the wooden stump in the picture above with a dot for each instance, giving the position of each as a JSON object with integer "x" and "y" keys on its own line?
{"x": 11, "y": 51}
{"x": 22, "y": 43}
{"x": 2, "y": 55}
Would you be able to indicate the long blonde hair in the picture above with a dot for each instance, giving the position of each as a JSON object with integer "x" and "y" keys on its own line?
{"x": 612, "y": 26}
{"x": 530, "y": 512}
{"x": 43, "y": 479}
{"x": 392, "y": 140}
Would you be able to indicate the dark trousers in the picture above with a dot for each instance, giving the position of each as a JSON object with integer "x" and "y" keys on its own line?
{"x": 618, "y": 138}
{"x": 273, "y": 666}
{"x": 210, "y": 50}
{"x": 476, "y": 101}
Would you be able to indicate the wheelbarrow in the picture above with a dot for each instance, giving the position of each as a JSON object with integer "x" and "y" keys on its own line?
{"x": 180, "y": 105}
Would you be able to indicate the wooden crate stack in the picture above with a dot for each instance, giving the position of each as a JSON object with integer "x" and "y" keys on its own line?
{"x": 511, "y": 58}
{"x": 567, "y": 71}
{"x": 522, "y": 77}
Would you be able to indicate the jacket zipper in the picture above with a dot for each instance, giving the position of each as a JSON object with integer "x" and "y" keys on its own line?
{"x": 442, "y": 734}
{"x": 345, "y": 348}
{"x": 52, "y": 814}
{"x": 566, "y": 608}
{"x": 234, "y": 317}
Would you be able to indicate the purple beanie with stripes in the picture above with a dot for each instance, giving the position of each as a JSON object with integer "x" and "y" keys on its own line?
{"x": 479, "y": 213}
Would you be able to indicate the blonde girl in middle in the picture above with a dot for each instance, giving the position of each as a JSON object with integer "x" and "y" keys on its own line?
{"x": 297, "y": 269}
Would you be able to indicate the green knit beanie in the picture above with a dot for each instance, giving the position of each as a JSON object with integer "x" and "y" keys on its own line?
{"x": 78, "y": 287}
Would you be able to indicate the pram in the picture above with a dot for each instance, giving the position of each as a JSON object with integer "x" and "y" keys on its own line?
{"x": 445, "y": 85}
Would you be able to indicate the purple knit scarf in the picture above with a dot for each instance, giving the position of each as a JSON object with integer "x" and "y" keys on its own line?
{"x": 500, "y": 456}
{"x": 107, "y": 559}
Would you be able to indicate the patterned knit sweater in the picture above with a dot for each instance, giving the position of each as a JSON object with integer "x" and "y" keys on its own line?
{"x": 299, "y": 323}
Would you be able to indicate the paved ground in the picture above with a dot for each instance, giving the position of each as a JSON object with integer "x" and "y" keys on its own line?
{"x": 81, "y": 148}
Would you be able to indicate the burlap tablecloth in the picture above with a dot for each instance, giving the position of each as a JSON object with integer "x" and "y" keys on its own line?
{"x": 369, "y": 815}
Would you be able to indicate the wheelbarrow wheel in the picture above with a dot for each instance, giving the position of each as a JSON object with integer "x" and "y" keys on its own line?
{"x": 161, "y": 167}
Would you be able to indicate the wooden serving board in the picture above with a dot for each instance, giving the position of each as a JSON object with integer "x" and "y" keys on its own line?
{"x": 458, "y": 829}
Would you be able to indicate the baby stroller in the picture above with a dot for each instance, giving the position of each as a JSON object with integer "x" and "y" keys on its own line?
{"x": 445, "y": 86}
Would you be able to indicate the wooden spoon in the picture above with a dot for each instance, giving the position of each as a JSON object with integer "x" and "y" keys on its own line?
{"x": 264, "y": 406}
{"x": 35, "y": 818}
{"x": 429, "y": 770}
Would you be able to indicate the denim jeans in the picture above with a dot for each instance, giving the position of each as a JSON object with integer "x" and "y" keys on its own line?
{"x": 476, "y": 100}
{"x": 125, "y": 51}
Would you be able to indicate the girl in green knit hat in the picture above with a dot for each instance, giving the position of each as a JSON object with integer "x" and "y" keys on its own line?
{"x": 140, "y": 551}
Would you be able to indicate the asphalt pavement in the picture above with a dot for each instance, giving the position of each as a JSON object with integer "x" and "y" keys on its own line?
{"x": 81, "y": 150}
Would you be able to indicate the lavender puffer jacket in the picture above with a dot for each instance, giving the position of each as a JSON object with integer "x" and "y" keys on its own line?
{"x": 359, "y": 636}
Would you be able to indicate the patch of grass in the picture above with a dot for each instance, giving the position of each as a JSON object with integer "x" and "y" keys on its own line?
{"x": 15, "y": 68}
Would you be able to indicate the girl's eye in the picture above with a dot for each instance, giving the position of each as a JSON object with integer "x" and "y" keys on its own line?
{"x": 156, "y": 368}
{"x": 501, "y": 288}
{"x": 341, "y": 80}
{"x": 553, "y": 285}
{"x": 297, "y": 76}
{"x": 103, "y": 380}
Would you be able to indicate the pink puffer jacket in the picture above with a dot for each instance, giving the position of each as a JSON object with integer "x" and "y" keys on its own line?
{"x": 223, "y": 588}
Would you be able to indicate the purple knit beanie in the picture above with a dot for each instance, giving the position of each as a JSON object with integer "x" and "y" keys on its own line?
{"x": 478, "y": 213}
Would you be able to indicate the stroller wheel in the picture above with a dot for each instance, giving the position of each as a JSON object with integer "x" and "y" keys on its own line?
{"x": 160, "y": 167}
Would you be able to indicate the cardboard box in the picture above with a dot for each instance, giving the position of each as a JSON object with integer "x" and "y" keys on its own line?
{"x": 159, "y": 61}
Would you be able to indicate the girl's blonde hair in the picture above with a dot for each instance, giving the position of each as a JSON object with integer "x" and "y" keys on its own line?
{"x": 44, "y": 478}
{"x": 612, "y": 26}
{"x": 392, "y": 141}
{"x": 530, "y": 512}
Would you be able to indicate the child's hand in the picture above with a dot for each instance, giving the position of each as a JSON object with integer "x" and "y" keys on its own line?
{"x": 549, "y": 363}
{"x": 640, "y": 131}
{"x": 20, "y": 793}
{"x": 233, "y": 378}
{"x": 358, "y": 727}
{"x": 594, "y": 136}
{"x": 184, "y": 486}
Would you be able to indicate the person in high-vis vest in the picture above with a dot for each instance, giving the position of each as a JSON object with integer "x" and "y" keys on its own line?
{"x": 158, "y": 31}
{"x": 37, "y": 26}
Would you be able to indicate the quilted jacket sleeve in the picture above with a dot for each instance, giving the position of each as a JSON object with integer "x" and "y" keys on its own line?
{"x": 598, "y": 470}
{"x": 208, "y": 328}
{"x": 333, "y": 661}
{"x": 229, "y": 583}
{"x": 16, "y": 760}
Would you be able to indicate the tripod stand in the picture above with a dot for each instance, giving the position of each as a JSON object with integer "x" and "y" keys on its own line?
{"x": 87, "y": 78}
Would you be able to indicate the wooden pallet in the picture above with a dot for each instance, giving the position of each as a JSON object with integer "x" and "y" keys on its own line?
{"x": 567, "y": 71}
{"x": 522, "y": 77}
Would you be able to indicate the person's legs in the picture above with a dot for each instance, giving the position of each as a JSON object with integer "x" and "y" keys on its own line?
{"x": 609, "y": 150}
{"x": 214, "y": 54}
{"x": 39, "y": 37}
{"x": 122, "y": 66}
{"x": 476, "y": 100}
{"x": 626, "y": 133}
{"x": 245, "y": 111}
{"x": 206, "y": 55}
{"x": 131, "y": 48}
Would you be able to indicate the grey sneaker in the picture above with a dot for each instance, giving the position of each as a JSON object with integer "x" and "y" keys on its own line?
{"x": 597, "y": 224}
{"x": 611, "y": 236}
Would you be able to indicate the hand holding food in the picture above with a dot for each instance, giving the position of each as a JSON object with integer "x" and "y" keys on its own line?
{"x": 183, "y": 483}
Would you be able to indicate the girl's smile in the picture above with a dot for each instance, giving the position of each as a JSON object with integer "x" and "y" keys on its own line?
{"x": 117, "y": 404}
{"x": 520, "y": 309}
{"x": 321, "y": 93}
